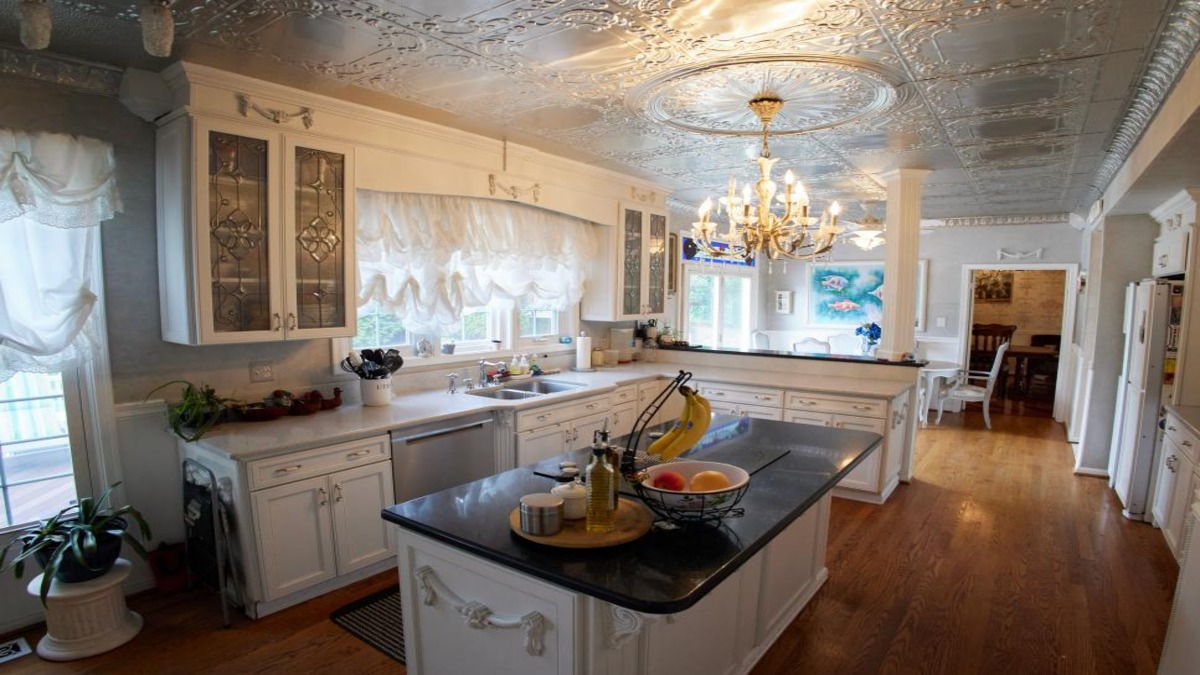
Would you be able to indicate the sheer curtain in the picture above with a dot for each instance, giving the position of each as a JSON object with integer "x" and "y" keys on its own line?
{"x": 426, "y": 257}
{"x": 54, "y": 191}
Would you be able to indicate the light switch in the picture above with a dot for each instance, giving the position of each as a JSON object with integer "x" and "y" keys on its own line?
{"x": 940, "y": 322}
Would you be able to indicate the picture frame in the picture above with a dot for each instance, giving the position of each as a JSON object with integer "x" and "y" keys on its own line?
{"x": 993, "y": 285}
{"x": 783, "y": 302}
{"x": 841, "y": 294}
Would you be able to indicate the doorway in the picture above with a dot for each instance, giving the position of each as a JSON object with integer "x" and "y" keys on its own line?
{"x": 1035, "y": 305}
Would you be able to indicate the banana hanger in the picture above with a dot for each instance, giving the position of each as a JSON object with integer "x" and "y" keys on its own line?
{"x": 628, "y": 467}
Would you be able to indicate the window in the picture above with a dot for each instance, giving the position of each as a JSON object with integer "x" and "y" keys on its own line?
{"x": 474, "y": 332}
{"x": 36, "y": 472}
{"x": 377, "y": 328}
{"x": 718, "y": 307}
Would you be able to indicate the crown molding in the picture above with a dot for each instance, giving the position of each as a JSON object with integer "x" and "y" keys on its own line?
{"x": 63, "y": 71}
{"x": 997, "y": 221}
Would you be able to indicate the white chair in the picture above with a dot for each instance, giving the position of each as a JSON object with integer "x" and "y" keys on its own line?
{"x": 760, "y": 340}
{"x": 811, "y": 346}
{"x": 970, "y": 393}
{"x": 845, "y": 343}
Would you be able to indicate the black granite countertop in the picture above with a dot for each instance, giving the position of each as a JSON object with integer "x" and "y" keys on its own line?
{"x": 665, "y": 571}
{"x": 910, "y": 363}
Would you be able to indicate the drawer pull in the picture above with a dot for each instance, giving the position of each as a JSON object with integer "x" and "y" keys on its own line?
{"x": 324, "y": 496}
{"x": 718, "y": 393}
{"x": 360, "y": 453}
{"x": 337, "y": 488}
{"x": 1186, "y": 444}
{"x": 807, "y": 402}
{"x": 289, "y": 469}
{"x": 592, "y": 406}
{"x": 542, "y": 418}
{"x": 1171, "y": 428}
{"x": 760, "y": 397}
{"x": 864, "y": 407}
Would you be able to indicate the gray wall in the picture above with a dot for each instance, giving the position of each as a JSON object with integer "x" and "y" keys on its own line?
{"x": 946, "y": 251}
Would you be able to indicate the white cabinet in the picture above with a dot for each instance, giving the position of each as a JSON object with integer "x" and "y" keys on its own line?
{"x": 671, "y": 408}
{"x": 629, "y": 277}
{"x": 312, "y": 529}
{"x": 1181, "y": 650}
{"x": 536, "y": 445}
{"x": 1176, "y": 218}
{"x": 878, "y": 474}
{"x": 255, "y": 233}
{"x": 552, "y": 430}
{"x": 756, "y": 402}
{"x": 1173, "y": 492}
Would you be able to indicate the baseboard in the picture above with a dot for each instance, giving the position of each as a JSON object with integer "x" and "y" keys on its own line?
{"x": 1084, "y": 471}
{"x": 257, "y": 610}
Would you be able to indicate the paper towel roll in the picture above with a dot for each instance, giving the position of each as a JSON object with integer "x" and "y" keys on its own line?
{"x": 583, "y": 352}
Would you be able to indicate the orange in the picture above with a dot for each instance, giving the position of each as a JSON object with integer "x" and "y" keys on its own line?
{"x": 709, "y": 480}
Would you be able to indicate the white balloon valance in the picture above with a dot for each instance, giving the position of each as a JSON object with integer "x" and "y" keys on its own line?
{"x": 427, "y": 257}
{"x": 55, "y": 190}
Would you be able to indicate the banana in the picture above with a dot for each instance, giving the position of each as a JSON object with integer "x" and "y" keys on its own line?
{"x": 697, "y": 425}
{"x": 665, "y": 441}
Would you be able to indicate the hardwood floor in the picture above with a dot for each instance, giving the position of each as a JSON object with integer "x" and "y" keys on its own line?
{"x": 996, "y": 559}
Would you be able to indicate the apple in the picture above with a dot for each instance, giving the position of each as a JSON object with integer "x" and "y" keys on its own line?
{"x": 669, "y": 480}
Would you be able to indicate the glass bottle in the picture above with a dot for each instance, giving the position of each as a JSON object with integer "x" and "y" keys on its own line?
{"x": 601, "y": 484}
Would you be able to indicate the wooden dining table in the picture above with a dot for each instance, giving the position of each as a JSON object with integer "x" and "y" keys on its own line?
{"x": 1025, "y": 358}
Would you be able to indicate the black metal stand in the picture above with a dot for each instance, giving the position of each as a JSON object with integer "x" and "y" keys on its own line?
{"x": 206, "y": 522}
{"x": 628, "y": 458}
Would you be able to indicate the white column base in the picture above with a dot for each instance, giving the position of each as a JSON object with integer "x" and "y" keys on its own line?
{"x": 86, "y": 618}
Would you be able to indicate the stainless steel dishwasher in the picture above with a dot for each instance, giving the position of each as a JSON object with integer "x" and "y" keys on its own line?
{"x": 439, "y": 455}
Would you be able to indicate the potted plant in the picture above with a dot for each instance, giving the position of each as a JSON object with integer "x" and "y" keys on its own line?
{"x": 198, "y": 409}
{"x": 81, "y": 542}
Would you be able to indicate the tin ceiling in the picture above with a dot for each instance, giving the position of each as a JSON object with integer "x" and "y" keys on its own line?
{"x": 1021, "y": 107}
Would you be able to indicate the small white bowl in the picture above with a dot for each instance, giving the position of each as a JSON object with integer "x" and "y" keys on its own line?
{"x": 686, "y": 500}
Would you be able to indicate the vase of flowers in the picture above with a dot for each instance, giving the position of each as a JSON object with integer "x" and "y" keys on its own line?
{"x": 870, "y": 334}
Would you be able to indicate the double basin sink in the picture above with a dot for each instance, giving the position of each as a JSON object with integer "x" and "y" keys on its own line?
{"x": 525, "y": 389}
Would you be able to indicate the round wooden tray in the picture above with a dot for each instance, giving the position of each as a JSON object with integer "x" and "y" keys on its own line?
{"x": 633, "y": 520}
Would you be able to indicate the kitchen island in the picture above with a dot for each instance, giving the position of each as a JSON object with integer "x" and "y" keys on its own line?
{"x": 708, "y": 599}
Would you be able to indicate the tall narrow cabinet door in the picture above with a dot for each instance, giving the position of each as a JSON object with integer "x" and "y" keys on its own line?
{"x": 630, "y": 275}
{"x": 236, "y": 233}
{"x": 295, "y": 536}
{"x": 656, "y": 263}
{"x": 319, "y": 242}
{"x": 359, "y": 495}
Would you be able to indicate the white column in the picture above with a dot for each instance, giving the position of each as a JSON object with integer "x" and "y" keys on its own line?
{"x": 900, "y": 262}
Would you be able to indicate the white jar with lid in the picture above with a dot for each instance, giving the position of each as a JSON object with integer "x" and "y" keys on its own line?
{"x": 574, "y": 496}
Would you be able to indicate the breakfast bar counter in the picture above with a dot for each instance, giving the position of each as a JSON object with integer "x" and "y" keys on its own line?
{"x": 478, "y": 597}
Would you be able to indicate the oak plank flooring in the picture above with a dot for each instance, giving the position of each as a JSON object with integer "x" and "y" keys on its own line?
{"x": 995, "y": 559}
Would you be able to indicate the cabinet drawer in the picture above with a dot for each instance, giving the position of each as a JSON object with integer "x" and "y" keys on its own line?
{"x": 1182, "y": 437}
{"x": 308, "y": 463}
{"x": 819, "y": 419}
{"x": 565, "y": 412}
{"x": 831, "y": 404}
{"x": 747, "y": 410}
{"x": 772, "y": 398}
{"x": 625, "y": 394}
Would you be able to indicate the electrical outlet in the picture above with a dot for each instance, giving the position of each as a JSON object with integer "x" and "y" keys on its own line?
{"x": 262, "y": 371}
{"x": 941, "y": 322}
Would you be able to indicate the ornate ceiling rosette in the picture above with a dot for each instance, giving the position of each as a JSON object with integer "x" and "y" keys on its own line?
{"x": 820, "y": 91}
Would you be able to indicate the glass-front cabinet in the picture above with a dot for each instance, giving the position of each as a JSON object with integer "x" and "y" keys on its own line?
{"x": 630, "y": 279}
{"x": 258, "y": 244}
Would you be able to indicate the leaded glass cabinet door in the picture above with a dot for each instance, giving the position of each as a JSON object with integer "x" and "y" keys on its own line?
{"x": 236, "y": 242}
{"x": 632, "y": 300}
{"x": 656, "y": 263}
{"x": 319, "y": 246}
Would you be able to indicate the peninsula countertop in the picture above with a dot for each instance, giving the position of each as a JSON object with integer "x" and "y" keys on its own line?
{"x": 254, "y": 440}
{"x": 665, "y": 571}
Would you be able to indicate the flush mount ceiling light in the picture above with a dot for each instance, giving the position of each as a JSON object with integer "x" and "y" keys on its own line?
{"x": 158, "y": 25}
{"x": 867, "y": 234}
{"x": 753, "y": 226}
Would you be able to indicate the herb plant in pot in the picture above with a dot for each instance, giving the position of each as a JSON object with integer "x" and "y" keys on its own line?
{"x": 197, "y": 410}
{"x": 81, "y": 542}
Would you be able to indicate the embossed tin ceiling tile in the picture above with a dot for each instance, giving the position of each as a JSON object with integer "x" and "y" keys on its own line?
{"x": 554, "y": 118}
{"x": 976, "y": 37}
{"x": 1045, "y": 84}
{"x": 966, "y": 130}
{"x": 819, "y": 91}
{"x": 949, "y": 190}
{"x": 880, "y": 141}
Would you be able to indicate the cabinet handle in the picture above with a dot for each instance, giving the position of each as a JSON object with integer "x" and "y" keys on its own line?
{"x": 760, "y": 397}
{"x": 807, "y": 402}
{"x": 360, "y": 453}
{"x": 338, "y": 488}
{"x": 543, "y": 417}
{"x": 1171, "y": 428}
{"x": 291, "y": 321}
{"x": 324, "y": 496}
{"x": 862, "y": 407}
{"x": 718, "y": 393}
{"x": 1186, "y": 444}
{"x": 278, "y": 321}
{"x": 288, "y": 469}
{"x": 1162, "y": 260}
{"x": 592, "y": 406}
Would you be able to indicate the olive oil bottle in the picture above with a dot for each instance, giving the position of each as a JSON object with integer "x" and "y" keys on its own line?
{"x": 601, "y": 485}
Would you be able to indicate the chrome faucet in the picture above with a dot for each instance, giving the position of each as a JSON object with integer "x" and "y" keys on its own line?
{"x": 484, "y": 364}
{"x": 453, "y": 377}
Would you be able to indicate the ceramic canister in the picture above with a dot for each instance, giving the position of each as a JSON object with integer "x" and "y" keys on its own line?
{"x": 377, "y": 392}
{"x": 574, "y": 496}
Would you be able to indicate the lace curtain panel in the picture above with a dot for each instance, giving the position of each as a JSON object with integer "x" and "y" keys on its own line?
{"x": 54, "y": 192}
{"x": 426, "y": 257}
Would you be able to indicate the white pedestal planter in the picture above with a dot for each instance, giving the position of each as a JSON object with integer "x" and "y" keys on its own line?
{"x": 86, "y": 618}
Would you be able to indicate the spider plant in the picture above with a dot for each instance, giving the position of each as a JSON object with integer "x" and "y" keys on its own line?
{"x": 198, "y": 409}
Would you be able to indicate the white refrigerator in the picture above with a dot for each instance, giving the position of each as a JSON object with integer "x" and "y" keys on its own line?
{"x": 1146, "y": 381}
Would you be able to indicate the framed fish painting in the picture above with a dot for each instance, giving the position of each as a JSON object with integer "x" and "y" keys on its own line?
{"x": 851, "y": 293}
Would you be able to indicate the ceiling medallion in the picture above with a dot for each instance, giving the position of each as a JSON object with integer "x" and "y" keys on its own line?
{"x": 821, "y": 91}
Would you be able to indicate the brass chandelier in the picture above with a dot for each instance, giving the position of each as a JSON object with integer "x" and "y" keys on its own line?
{"x": 753, "y": 226}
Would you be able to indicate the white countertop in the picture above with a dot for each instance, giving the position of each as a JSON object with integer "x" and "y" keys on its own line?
{"x": 1188, "y": 414}
{"x": 252, "y": 440}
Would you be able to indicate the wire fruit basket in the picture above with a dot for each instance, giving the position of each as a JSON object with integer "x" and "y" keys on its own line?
{"x": 696, "y": 506}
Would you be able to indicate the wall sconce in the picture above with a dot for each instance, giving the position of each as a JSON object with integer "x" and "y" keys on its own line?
{"x": 34, "y": 18}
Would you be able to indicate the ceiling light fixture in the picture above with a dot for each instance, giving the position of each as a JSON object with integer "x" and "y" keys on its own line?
{"x": 754, "y": 227}
{"x": 868, "y": 233}
{"x": 34, "y": 17}
{"x": 158, "y": 27}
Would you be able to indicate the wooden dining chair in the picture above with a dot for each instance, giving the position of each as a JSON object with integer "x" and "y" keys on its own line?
{"x": 986, "y": 338}
{"x": 966, "y": 392}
